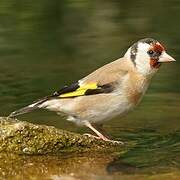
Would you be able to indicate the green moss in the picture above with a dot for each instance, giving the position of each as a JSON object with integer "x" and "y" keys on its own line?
{"x": 27, "y": 138}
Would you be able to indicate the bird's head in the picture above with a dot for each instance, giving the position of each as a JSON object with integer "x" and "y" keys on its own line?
{"x": 147, "y": 55}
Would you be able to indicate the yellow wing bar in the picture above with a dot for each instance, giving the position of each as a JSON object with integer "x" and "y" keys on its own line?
{"x": 80, "y": 91}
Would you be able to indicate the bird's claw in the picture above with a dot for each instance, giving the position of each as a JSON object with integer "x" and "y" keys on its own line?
{"x": 104, "y": 139}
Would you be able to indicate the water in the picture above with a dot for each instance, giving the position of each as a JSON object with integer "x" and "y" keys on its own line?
{"x": 45, "y": 45}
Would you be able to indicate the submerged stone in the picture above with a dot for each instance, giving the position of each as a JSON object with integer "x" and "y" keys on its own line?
{"x": 26, "y": 138}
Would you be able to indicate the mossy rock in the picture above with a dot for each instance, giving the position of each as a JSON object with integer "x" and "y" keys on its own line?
{"x": 26, "y": 138}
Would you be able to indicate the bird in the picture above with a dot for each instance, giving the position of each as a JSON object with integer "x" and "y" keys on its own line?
{"x": 112, "y": 90}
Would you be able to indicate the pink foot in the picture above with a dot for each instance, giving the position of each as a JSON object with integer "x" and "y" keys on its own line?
{"x": 104, "y": 138}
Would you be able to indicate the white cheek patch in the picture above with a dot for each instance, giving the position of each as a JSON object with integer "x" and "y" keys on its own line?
{"x": 143, "y": 59}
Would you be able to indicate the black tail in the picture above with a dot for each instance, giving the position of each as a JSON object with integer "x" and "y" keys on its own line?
{"x": 22, "y": 111}
{"x": 29, "y": 108}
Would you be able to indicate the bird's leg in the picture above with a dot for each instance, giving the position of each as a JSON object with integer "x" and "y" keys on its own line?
{"x": 99, "y": 134}
{"x": 100, "y": 128}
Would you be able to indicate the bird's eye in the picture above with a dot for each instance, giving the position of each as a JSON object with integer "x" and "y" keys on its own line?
{"x": 150, "y": 52}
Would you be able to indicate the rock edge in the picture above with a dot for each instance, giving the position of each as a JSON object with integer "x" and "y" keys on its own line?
{"x": 22, "y": 137}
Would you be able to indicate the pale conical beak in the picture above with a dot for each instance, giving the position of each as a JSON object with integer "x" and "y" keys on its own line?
{"x": 166, "y": 58}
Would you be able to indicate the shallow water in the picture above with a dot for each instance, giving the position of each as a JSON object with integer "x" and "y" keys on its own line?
{"x": 45, "y": 45}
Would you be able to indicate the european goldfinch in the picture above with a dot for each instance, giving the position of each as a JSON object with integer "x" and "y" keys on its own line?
{"x": 112, "y": 90}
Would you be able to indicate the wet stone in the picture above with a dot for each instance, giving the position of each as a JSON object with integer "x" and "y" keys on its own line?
{"x": 22, "y": 137}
